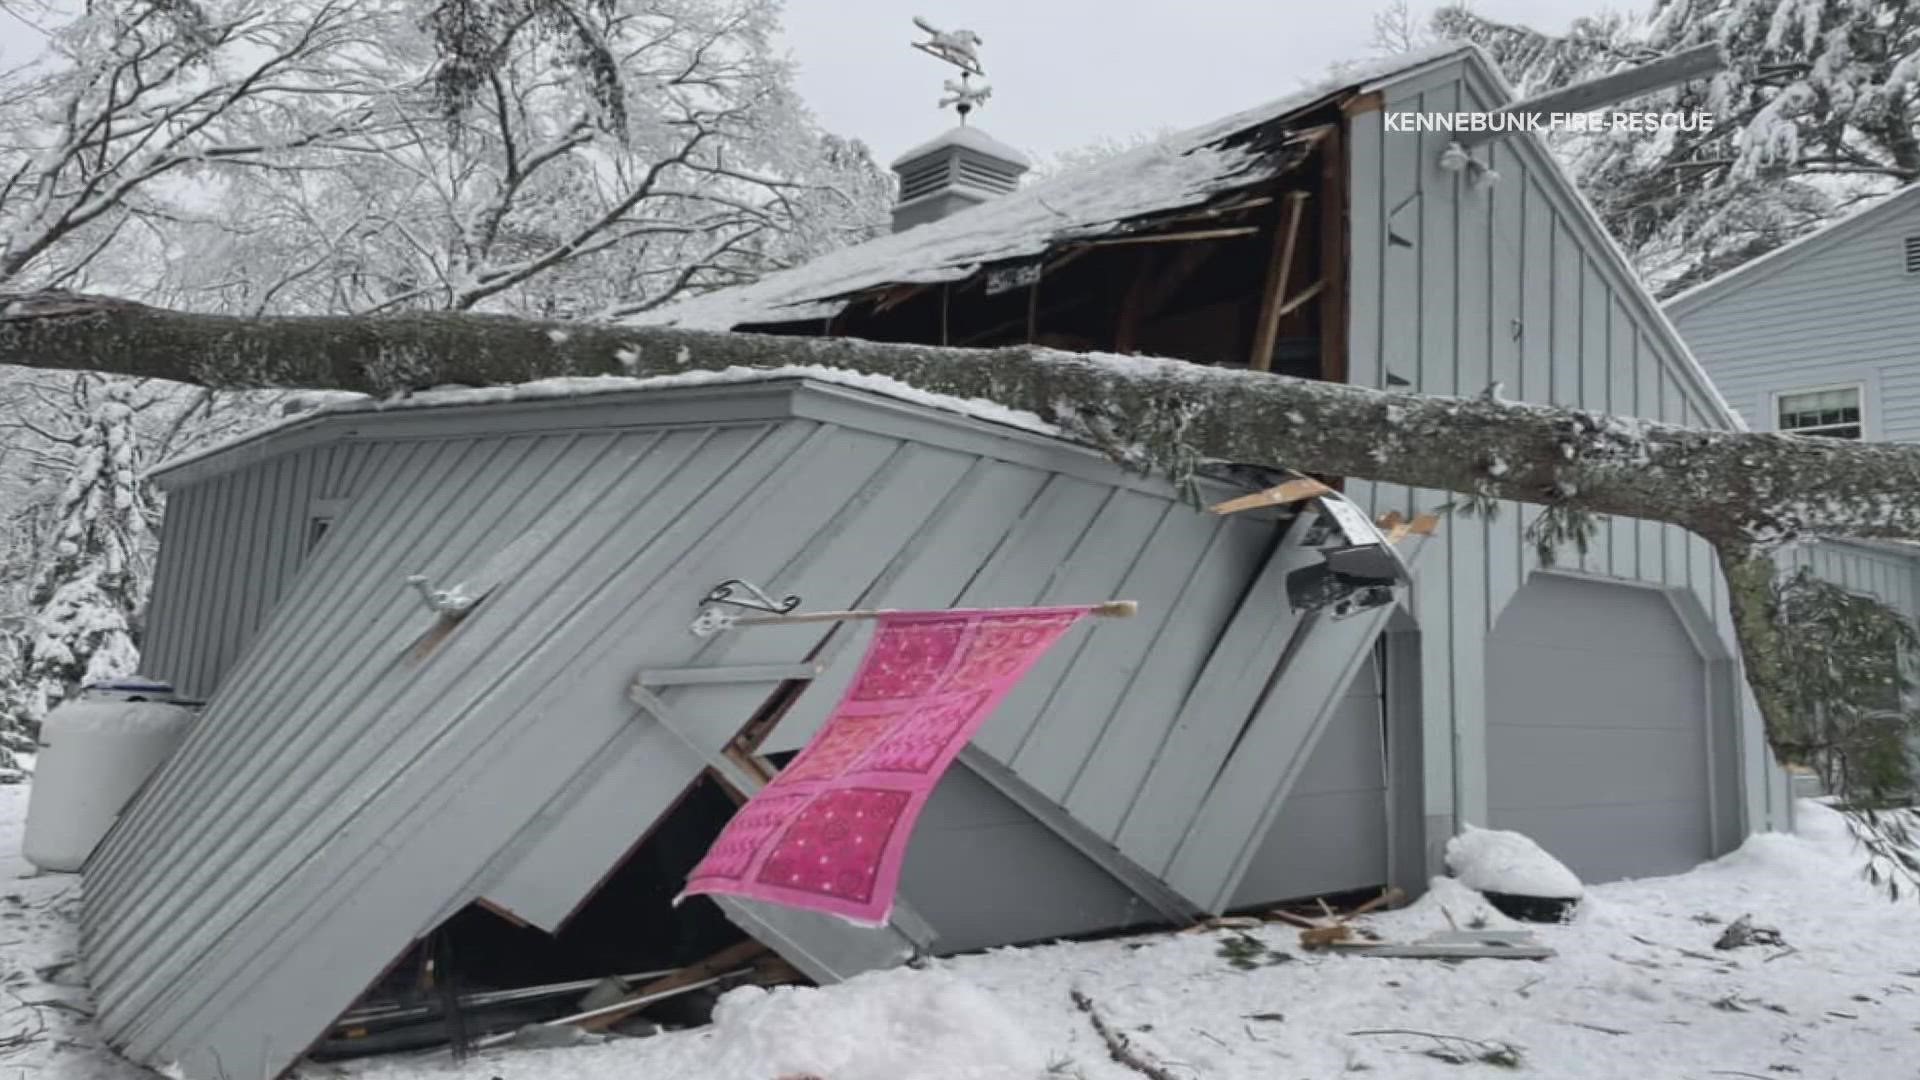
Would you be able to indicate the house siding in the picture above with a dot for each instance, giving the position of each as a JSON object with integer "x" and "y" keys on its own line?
{"x": 1884, "y": 574}
{"x": 1839, "y": 310}
{"x": 1458, "y": 286}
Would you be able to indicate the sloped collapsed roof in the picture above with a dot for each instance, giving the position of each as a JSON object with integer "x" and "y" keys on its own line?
{"x": 1180, "y": 171}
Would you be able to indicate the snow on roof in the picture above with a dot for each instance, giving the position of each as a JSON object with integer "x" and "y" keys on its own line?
{"x": 969, "y": 138}
{"x": 1179, "y": 171}
{"x": 1752, "y": 269}
{"x": 593, "y": 385}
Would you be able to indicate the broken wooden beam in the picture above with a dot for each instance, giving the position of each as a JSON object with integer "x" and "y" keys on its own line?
{"x": 1226, "y": 233}
{"x": 1298, "y": 489}
{"x": 1302, "y": 297}
{"x": 712, "y": 969}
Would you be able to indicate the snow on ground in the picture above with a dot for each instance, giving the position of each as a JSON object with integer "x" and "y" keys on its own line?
{"x": 43, "y": 1027}
{"x": 1637, "y": 991}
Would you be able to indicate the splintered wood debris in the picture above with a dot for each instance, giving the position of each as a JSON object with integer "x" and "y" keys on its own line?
{"x": 1337, "y": 933}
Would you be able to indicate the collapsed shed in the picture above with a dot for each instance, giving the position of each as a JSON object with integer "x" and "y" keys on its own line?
{"x": 369, "y": 776}
{"x": 363, "y": 774}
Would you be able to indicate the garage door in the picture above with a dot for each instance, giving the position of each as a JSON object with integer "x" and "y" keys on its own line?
{"x": 1597, "y": 729}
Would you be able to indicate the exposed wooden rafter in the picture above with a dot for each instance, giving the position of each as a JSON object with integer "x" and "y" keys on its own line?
{"x": 1126, "y": 329}
{"x": 1302, "y": 297}
{"x": 1225, "y": 233}
{"x": 1286, "y": 234}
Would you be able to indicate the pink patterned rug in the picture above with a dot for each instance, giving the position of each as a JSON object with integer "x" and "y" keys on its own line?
{"x": 830, "y": 832}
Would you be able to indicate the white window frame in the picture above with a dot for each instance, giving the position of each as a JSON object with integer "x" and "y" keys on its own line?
{"x": 1868, "y": 428}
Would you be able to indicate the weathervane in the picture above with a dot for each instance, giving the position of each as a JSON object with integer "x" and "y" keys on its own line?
{"x": 961, "y": 48}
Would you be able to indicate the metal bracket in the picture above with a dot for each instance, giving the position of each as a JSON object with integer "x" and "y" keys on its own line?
{"x": 712, "y": 620}
{"x": 758, "y": 600}
{"x": 454, "y": 601}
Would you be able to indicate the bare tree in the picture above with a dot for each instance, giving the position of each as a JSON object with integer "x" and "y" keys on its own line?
{"x": 320, "y": 157}
{"x": 128, "y": 100}
{"x": 542, "y": 194}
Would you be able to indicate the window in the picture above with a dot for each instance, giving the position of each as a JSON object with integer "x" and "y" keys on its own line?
{"x": 1832, "y": 413}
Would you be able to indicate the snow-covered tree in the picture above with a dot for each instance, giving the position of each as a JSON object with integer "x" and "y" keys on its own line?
{"x": 332, "y": 157}
{"x": 1819, "y": 111}
{"x": 87, "y": 596}
{"x": 678, "y": 159}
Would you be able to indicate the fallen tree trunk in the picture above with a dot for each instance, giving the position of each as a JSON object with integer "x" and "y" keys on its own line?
{"x": 1740, "y": 490}
{"x": 1746, "y": 493}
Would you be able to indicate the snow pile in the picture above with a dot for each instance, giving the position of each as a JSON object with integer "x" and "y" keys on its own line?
{"x": 881, "y": 1026}
{"x": 1497, "y": 861}
{"x": 1449, "y": 905}
{"x": 890, "y": 1025}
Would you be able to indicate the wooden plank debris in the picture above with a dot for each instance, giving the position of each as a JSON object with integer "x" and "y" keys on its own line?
{"x": 1460, "y": 951}
{"x": 1291, "y": 491}
{"x": 720, "y": 964}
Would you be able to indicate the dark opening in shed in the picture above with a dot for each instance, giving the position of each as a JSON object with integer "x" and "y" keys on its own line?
{"x": 499, "y": 973}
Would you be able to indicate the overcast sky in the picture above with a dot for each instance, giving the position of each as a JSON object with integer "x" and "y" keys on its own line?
{"x": 1066, "y": 73}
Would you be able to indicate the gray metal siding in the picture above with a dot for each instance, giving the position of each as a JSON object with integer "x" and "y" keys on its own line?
{"x": 1331, "y": 832}
{"x": 341, "y": 794}
{"x": 229, "y": 870}
{"x": 1839, "y": 310}
{"x": 231, "y": 547}
{"x": 985, "y": 873}
{"x": 1458, "y": 286}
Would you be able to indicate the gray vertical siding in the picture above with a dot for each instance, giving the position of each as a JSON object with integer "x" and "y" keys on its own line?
{"x": 1331, "y": 832}
{"x": 1458, "y": 286}
{"x": 1837, "y": 309}
{"x": 972, "y": 834}
{"x": 230, "y": 549}
{"x": 343, "y": 792}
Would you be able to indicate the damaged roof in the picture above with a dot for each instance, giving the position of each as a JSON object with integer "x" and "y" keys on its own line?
{"x": 1179, "y": 172}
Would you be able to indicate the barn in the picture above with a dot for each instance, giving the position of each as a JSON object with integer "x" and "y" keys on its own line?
{"x": 525, "y": 786}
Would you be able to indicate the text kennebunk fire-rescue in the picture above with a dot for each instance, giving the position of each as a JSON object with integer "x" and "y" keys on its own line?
{"x": 1547, "y": 121}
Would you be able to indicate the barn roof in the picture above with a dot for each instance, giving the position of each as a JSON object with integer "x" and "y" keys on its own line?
{"x": 1182, "y": 171}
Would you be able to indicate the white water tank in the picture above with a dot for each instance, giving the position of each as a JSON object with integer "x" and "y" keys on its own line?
{"x": 95, "y": 752}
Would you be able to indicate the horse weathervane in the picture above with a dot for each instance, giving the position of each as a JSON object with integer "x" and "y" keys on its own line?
{"x": 961, "y": 48}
